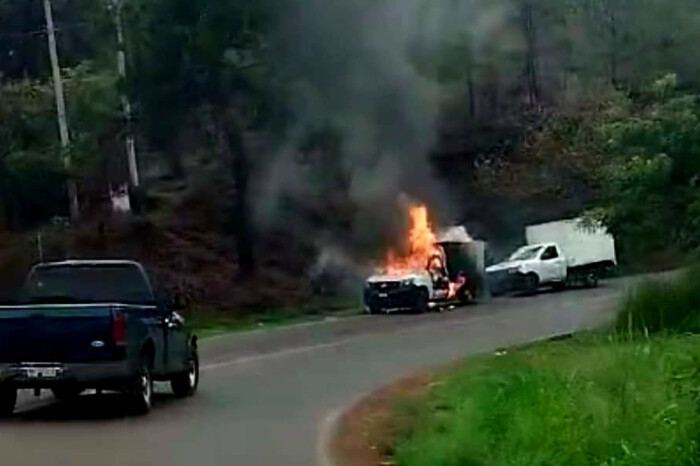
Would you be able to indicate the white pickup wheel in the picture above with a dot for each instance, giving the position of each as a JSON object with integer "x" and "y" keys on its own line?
{"x": 532, "y": 283}
{"x": 591, "y": 280}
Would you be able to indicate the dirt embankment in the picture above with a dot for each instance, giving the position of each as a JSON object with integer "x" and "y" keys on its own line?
{"x": 184, "y": 247}
{"x": 365, "y": 434}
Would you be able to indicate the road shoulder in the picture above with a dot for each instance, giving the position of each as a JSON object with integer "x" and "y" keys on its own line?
{"x": 363, "y": 435}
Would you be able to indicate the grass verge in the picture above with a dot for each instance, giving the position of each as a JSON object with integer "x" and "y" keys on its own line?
{"x": 626, "y": 397}
{"x": 662, "y": 306}
{"x": 208, "y": 323}
{"x": 590, "y": 400}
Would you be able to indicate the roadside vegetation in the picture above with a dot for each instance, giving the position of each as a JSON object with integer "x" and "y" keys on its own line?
{"x": 582, "y": 402}
{"x": 662, "y": 307}
{"x": 624, "y": 396}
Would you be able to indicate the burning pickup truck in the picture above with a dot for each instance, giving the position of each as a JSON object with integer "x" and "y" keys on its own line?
{"x": 435, "y": 272}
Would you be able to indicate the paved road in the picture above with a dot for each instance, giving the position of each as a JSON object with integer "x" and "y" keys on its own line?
{"x": 267, "y": 397}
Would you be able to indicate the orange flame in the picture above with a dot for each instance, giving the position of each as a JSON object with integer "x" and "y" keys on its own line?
{"x": 420, "y": 247}
{"x": 455, "y": 287}
{"x": 421, "y": 254}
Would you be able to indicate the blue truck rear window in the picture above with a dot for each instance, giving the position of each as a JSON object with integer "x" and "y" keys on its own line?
{"x": 88, "y": 284}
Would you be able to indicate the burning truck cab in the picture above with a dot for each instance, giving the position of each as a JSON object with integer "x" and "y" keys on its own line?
{"x": 452, "y": 280}
{"x": 433, "y": 273}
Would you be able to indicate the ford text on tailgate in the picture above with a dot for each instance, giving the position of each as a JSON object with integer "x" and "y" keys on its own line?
{"x": 94, "y": 325}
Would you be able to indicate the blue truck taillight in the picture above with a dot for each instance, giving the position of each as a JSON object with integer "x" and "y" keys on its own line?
{"x": 119, "y": 328}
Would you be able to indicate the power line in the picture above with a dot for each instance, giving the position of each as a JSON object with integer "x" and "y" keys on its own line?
{"x": 87, "y": 24}
{"x": 43, "y": 31}
{"x": 38, "y": 32}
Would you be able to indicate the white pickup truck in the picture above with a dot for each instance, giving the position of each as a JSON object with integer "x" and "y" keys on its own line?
{"x": 558, "y": 254}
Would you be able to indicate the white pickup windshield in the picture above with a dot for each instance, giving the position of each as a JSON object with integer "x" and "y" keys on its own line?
{"x": 526, "y": 253}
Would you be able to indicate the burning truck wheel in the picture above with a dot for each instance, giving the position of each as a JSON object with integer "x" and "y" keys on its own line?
{"x": 432, "y": 274}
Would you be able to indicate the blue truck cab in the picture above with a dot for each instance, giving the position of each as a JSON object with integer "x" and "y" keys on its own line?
{"x": 82, "y": 325}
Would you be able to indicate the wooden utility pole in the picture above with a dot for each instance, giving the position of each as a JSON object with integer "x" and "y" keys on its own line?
{"x": 116, "y": 7}
{"x": 61, "y": 111}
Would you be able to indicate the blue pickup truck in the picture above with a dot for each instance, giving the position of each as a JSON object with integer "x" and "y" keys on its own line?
{"x": 82, "y": 325}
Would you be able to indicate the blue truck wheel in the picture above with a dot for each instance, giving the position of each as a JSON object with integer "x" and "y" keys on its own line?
{"x": 8, "y": 400}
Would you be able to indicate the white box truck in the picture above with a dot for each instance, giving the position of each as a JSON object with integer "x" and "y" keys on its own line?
{"x": 558, "y": 254}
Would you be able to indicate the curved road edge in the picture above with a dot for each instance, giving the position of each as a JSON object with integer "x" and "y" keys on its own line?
{"x": 331, "y": 426}
{"x": 337, "y": 422}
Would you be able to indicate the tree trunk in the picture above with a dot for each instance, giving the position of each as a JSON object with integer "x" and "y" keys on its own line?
{"x": 491, "y": 90}
{"x": 614, "y": 53}
{"x": 531, "y": 66}
{"x": 177, "y": 170}
{"x": 240, "y": 176}
{"x": 472, "y": 96}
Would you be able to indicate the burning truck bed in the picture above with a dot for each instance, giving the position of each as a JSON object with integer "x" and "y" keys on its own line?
{"x": 434, "y": 272}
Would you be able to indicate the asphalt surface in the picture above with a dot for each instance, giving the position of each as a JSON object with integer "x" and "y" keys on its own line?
{"x": 269, "y": 398}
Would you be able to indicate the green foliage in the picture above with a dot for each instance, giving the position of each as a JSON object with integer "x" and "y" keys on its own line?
{"x": 204, "y": 67}
{"x": 95, "y": 117}
{"x": 23, "y": 48}
{"x": 190, "y": 54}
{"x": 32, "y": 188}
{"x": 584, "y": 402}
{"x": 636, "y": 209}
{"x": 26, "y": 115}
{"x": 662, "y": 306}
{"x": 649, "y": 186}
{"x": 32, "y": 175}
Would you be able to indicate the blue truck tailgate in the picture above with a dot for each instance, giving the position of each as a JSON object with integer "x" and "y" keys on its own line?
{"x": 70, "y": 333}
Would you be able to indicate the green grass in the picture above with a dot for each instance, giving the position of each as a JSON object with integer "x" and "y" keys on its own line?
{"x": 207, "y": 323}
{"x": 668, "y": 306}
{"x": 626, "y": 397}
{"x": 588, "y": 401}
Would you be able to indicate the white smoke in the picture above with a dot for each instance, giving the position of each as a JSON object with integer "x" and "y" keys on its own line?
{"x": 455, "y": 235}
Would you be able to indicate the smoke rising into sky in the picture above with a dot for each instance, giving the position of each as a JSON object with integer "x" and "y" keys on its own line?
{"x": 351, "y": 65}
